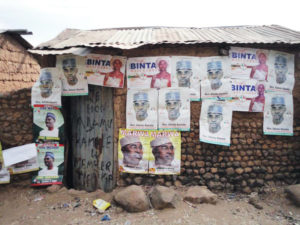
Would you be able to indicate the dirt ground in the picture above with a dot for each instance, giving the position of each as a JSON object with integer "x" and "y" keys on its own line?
{"x": 21, "y": 204}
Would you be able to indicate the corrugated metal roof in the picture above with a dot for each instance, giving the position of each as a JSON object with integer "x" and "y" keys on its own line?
{"x": 128, "y": 38}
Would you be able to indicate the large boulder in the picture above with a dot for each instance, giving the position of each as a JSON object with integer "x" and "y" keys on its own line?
{"x": 200, "y": 194}
{"x": 293, "y": 193}
{"x": 132, "y": 199}
{"x": 163, "y": 197}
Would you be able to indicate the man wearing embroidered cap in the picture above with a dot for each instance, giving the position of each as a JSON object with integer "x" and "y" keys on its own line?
{"x": 132, "y": 150}
{"x": 51, "y": 131}
{"x": 70, "y": 70}
{"x": 141, "y": 105}
{"x": 214, "y": 118}
{"x": 278, "y": 109}
{"x": 46, "y": 84}
{"x": 214, "y": 74}
{"x": 173, "y": 104}
{"x": 50, "y": 169}
{"x": 281, "y": 68}
{"x": 184, "y": 72}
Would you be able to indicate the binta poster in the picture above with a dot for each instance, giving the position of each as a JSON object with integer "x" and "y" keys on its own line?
{"x": 72, "y": 73}
{"x": 48, "y": 89}
{"x": 149, "y": 72}
{"x": 165, "y": 153}
{"x": 48, "y": 124}
{"x": 278, "y": 114}
{"x": 24, "y": 166}
{"x": 281, "y": 76}
{"x": 141, "y": 109}
{"x": 105, "y": 70}
{"x": 214, "y": 77}
{"x": 186, "y": 73}
{"x": 4, "y": 173}
{"x": 215, "y": 122}
{"x": 174, "y": 109}
{"x": 51, "y": 164}
{"x": 249, "y": 63}
{"x": 133, "y": 151}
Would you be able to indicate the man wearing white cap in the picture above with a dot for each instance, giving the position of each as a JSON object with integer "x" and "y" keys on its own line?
{"x": 214, "y": 118}
{"x": 281, "y": 68}
{"x": 214, "y": 74}
{"x": 173, "y": 104}
{"x": 184, "y": 72}
{"x": 46, "y": 84}
{"x": 132, "y": 150}
{"x": 141, "y": 105}
{"x": 51, "y": 130}
{"x": 278, "y": 109}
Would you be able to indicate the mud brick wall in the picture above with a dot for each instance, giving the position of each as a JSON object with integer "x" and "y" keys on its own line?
{"x": 251, "y": 162}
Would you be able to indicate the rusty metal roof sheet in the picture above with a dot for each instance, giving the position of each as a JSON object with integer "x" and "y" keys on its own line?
{"x": 128, "y": 38}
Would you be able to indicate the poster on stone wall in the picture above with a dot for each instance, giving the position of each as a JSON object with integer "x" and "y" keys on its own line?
{"x": 278, "y": 114}
{"x": 4, "y": 173}
{"x": 215, "y": 80}
{"x": 174, "y": 109}
{"x": 72, "y": 73}
{"x": 24, "y": 166}
{"x": 281, "y": 72}
{"x": 249, "y": 63}
{"x": 165, "y": 154}
{"x": 141, "y": 109}
{"x": 47, "y": 89}
{"x": 133, "y": 151}
{"x": 51, "y": 164}
{"x": 48, "y": 124}
{"x": 105, "y": 70}
{"x": 149, "y": 72}
{"x": 186, "y": 73}
{"x": 215, "y": 122}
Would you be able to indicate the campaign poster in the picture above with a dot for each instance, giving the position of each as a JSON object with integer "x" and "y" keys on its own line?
{"x": 186, "y": 73}
{"x": 278, "y": 114}
{"x": 47, "y": 89}
{"x": 51, "y": 164}
{"x": 222, "y": 90}
{"x": 281, "y": 77}
{"x": 72, "y": 74}
{"x": 239, "y": 104}
{"x": 4, "y": 173}
{"x": 215, "y": 122}
{"x": 249, "y": 63}
{"x": 174, "y": 109}
{"x": 149, "y": 72}
{"x": 105, "y": 70}
{"x": 48, "y": 124}
{"x": 141, "y": 109}
{"x": 165, "y": 155}
{"x": 24, "y": 166}
{"x": 133, "y": 151}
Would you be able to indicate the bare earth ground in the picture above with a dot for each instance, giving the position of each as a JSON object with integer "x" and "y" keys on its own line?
{"x": 21, "y": 204}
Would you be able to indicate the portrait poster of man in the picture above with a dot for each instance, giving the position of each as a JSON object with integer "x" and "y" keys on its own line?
{"x": 278, "y": 114}
{"x": 105, "y": 70}
{"x": 72, "y": 73}
{"x": 214, "y": 77}
{"x": 281, "y": 76}
{"x": 186, "y": 73}
{"x": 249, "y": 63}
{"x": 149, "y": 72}
{"x": 47, "y": 90}
{"x": 133, "y": 151}
{"x": 141, "y": 109}
{"x": 215, "y": 122}
{"x": 4, "y": 173}
{"x": 48, "y": 124}
{"x": 51, "y": 164}
{"x": 165, "y": 154}
{"x": 174, "y": 109}
{"x": 24, "y": 167}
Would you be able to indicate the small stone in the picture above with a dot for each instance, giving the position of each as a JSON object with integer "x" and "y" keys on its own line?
{"x": 293, "y": 193}
{"x": 163, "y": 197}
{"x": 200, "y": 194}
{"x": 54, "y": 188}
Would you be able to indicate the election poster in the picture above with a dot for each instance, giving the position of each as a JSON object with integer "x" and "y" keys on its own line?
{"x": 47, "y": 89}
{"x": 165, "y": 154}
{"x": 249, "y": 63}
{"x": 209, "y": 90}
{"x": 239, "y": 104}
{"x": 281, "y": 75}
{"x": 4, "y": 173}
{"x": 51, "y": 164}
{"x": 105, "y": 70}
{"x": 186, "y": 73}
{"x": 278, "y": 114}
{"x": 149, "y": 72}
{"x": 174, "y": 109}
{"x": 133, "y": 151}
{"x": 48, "y": 124}
{"x": 141, "y": 109}
{"x": 72, "y": 73}
{"x": 24, "y": 166}
{"x": 215, "y": 122}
